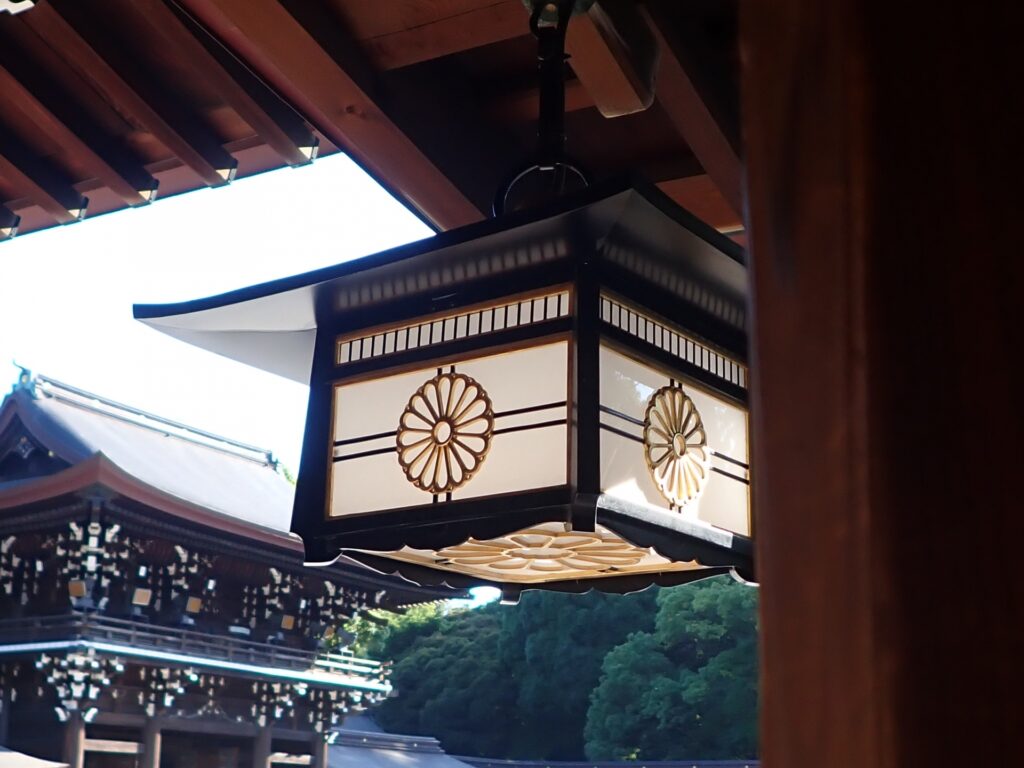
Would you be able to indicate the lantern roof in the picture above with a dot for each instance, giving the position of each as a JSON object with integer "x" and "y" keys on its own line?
{"x": 272, "y": 326}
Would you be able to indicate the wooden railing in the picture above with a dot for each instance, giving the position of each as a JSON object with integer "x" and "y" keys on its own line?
{"x": 97, "y": 628}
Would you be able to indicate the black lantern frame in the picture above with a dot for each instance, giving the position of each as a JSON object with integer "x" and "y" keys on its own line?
{"x": 637, "y": 275}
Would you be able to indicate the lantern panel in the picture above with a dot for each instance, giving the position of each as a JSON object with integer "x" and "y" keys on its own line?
{"x": 453, "y": 430}
{"x": 692, "y": 460}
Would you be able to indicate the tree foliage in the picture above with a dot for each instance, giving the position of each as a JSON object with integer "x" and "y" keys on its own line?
{"x": 686, "y": 690}
{"x": 656, "y": 675}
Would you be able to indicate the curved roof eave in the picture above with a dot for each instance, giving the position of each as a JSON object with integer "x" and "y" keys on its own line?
{"x": 99, "y": 470}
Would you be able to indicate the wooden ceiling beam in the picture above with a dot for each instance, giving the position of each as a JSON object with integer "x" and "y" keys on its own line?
{"x": 193, "y": 145}
{"x": 9, "y": 222}
{"x": 679, "y": 98}
{"x": 701, "y": 196}
{"x": 453, "y": 34}
{"x": 613, "y": 53}
{"x": 524, "y": 106}
{"x": 110, "y": 165}
{"x": 37, "y": 180}
{"x": 284, "y": 54}
{"x": 272, "y": 120}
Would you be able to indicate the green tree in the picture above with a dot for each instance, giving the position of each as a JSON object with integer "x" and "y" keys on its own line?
{"x": 451, "y": 684}
{"x": 686, "y": 690}
{"x": 552, "y": 647}
{"x": 662, "y": 674}
{"x": 386, "y": 635}
{"x": 501, "y": 681}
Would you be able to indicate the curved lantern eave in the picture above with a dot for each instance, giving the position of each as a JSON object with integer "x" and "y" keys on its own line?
{"x": 510, "y": 592}
{"x": 558, "y": 327}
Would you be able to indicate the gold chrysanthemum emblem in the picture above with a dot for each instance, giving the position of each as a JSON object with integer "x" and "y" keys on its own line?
{"x": 445, "y": 432}
{"x": 544, "y": 551}
{"x": 675, "y": 446}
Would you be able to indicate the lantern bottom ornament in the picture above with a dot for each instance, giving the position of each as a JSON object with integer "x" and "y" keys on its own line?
{"x": 555, "y": 399}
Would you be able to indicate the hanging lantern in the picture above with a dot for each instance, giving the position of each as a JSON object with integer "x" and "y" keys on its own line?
{"x": 556, "y": 398}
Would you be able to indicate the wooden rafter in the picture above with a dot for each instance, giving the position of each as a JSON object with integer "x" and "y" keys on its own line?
{"x": 35, "y": 178}
{"x": 701, "y": 196}
{"x": 612, "y": 53}
{"x": 273, "y": 121}
{"x": 451, "y": 34}
{"x": 524, "y": 106}
{"x": 112, "y": 166}
{"x": 193, "y": 145}
{"x": 695, "y": 122}
{"x": 284, "y": 54}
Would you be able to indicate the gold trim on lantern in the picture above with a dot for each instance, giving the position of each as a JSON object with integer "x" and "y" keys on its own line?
{"x": 543, "y": 553}
{"x": 445, "y": 432}
{"x": 676, "y": 446}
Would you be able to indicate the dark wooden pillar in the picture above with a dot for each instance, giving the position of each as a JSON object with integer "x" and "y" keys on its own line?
{"x": 151, "y": 744}
{"x": 884, "y": 196}
{"x": 261, "y": 747}
{"x": 5, "y": 709}
{"x": 318, "y": 752}
{"x": 74, "y": 741}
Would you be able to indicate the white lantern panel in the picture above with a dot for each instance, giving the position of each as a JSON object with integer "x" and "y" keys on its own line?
{"x": 704, "y": 476}
{"x": 539, "y": 454}
{"x": 477, "y": 427}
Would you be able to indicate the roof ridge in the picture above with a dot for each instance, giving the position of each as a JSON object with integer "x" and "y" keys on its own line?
{"x": 44, "y": 386}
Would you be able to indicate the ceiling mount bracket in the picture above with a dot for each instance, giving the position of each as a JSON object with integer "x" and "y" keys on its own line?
{"x": 550, "y": 174}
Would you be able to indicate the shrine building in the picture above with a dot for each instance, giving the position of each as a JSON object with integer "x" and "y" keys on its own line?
{"x": 152, "y": 602}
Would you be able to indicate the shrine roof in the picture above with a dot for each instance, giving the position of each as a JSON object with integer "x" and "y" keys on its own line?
{"x": 225, "y": 477}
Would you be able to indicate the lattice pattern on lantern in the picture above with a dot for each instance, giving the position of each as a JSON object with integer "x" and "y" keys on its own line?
{"x": 445, "y": 432}
{"x": 79, "y": 679}
{"x": 672, "y": 340}
{"x": 676, "y": 446}
{"x": 461, "y": 325}
{"x": 543, "y": 553}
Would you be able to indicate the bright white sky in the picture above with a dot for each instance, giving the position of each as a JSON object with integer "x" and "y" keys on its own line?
{"x": 66, "y": 294}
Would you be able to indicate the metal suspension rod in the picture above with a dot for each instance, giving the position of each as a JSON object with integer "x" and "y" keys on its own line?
{"x": 550, "y": 173}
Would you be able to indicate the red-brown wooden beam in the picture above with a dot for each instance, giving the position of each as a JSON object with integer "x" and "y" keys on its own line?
{"x": 692, "y": 118}
{"x": 701, "y": 197}
{"x": 887, "y": 407}
{"x": 452, "y": 34}
{"x": 110, "y": 166}
{"x": 285, "y": 55}
{"x": 612, "y": 51}
{"x": 39, "y": 181}
{"x": 194, "y": 147}
{"x": 294, "y": 144}
{"x": 523, "y": 106}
